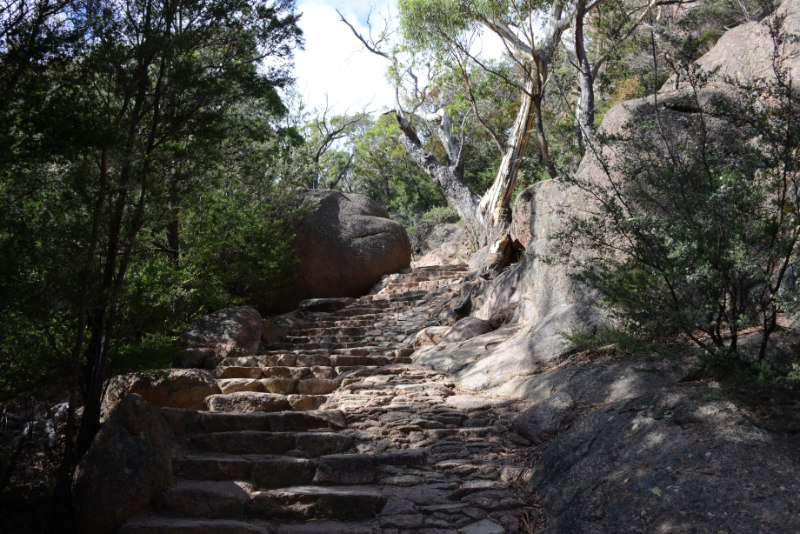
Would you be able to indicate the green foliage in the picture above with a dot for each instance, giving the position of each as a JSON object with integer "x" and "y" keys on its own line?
{"x": 440, "y": 215}
{"x": 151, "y": 351}
{"x": 792, "y": 379}
{"x": 432, "y": 23}
{"x": 699, "y": 220}
{"x": 240, "y": 250}
{"x": 383, "y": 171}
{"x": 136, "y": 189}
{"x": 624, "y": 340}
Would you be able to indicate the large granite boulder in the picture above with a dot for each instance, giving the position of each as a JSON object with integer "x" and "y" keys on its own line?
{"x": 229, "y": 332}
{"x": 173, "y": 388}
{"x": 345, "y": 243}
{"x": 128, "y": 464}
{"x": 745, "y": 53}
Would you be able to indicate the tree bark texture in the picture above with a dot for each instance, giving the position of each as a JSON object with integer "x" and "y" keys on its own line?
{"x": 495, "y": 204}
{"x": 448, "y": 177}
{"x": 584, "y": 109}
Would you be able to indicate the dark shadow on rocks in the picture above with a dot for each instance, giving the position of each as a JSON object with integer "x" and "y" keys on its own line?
{"x": 670, "y": 461}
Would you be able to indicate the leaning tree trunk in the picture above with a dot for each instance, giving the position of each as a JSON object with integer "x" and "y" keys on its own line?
{"x": 495, "y": 205}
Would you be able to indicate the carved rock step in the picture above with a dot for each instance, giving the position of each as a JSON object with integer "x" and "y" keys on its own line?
{"x": 326, "y": 502}
{"x": 412, "y": 294}
{"x": 189, "y": 422}
{"x": 329, "y": 324}
{"x": 334, "y": 331}
{"x": 312, "y": 458}
{"x": 374, "y": 310}
{"x": 331, "y": 342}
{"x": 321, "y": 337}
{"x": 329, "y": 345}
{"x": 170, "y": 525}
{"x": 222, "y": 499}
{"x": 407, "y": 461}
{"x": 354, "y": 333}
{"x": 315, "y": 357}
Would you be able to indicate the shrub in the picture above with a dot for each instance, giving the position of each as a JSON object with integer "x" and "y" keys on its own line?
{"x": 698, "y": 223}
{"x": 440, "y": 215}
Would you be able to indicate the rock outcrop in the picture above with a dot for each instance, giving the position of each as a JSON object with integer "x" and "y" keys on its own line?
{"x": 229, "y": 332}
{"x": 550, "y": 302}
{"x": 174, "y": 388}
{"x": 745, "y": 53}
{"x": 345, "y": 243}
{"x": 128, "y": 465}
{"x": 670, "y": 461}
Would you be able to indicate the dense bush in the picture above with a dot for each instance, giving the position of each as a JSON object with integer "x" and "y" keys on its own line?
{"x": 698, "y": 219}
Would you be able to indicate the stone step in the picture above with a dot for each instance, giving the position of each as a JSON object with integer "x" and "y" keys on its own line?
{"x": 411, "y": 295}
{"x": 244, "y": 442}
{"x": 327, "y": 345}
{"x": 238, "y": 499}
{"x": 190, "y": 422}
{"x": 154, "y": 524}
{"x": 291, "y": 359}
{"x": 286, "y": 459}
{"x": 283, "y": 358}
{"x": 248, "y": 442}
{"x": 371, "y": 311}
{"x": 318, "y": 502}
{"x": 248, "y": 401}
{"x": 344, "y": 360}
{"x": 177, "y": 525}
{"x": 286, "y": 346}
{"x": 252, "y": 372}
{"x": 206, "y": 498}
{"x": 344, "y": 341}
{"x": 328, "y": 331}
{"x": 329, "y": 527}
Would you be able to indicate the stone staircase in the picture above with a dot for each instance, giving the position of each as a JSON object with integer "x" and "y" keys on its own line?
{"x": 333, "y": 430}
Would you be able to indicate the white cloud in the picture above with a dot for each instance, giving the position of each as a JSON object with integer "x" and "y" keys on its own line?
{"x": 335, "y": 63}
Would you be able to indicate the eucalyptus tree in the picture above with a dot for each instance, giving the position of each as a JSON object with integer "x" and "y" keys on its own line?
{"x": 383, "y": 171}
{"x": 447, "y": 31}
{"x": 600, "y": 30}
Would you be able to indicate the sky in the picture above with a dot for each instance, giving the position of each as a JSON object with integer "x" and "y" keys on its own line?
{"x": 334, "y": 64}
